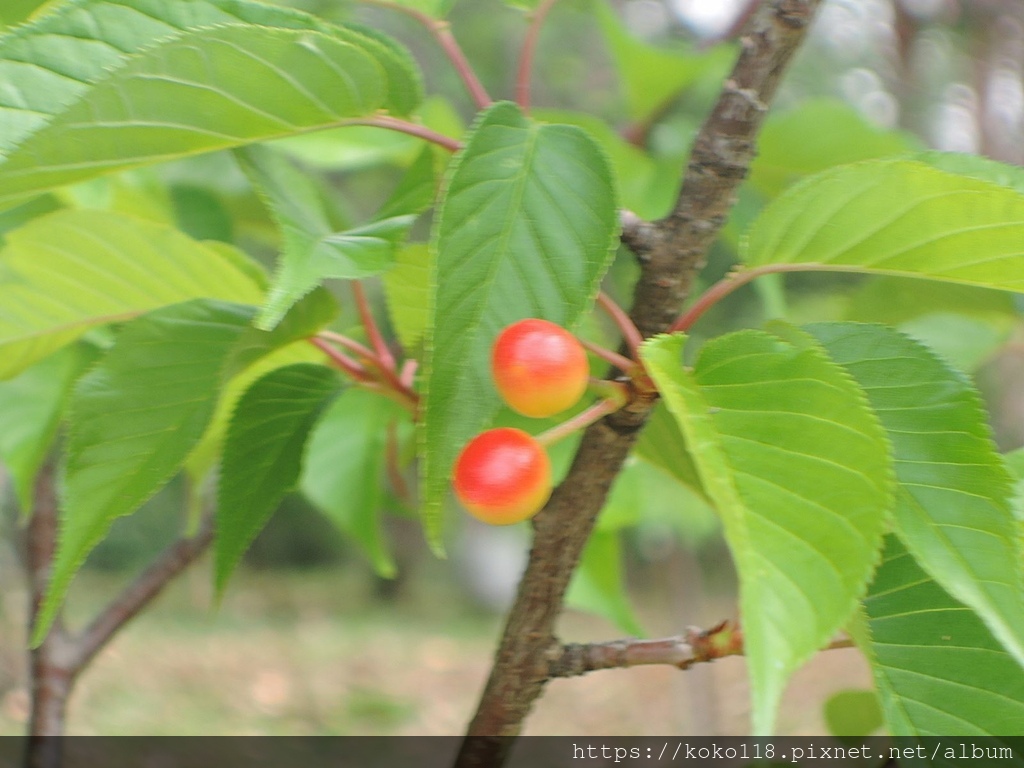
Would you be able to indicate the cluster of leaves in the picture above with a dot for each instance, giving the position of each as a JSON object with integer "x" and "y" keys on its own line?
{"x": 851, "y": 466}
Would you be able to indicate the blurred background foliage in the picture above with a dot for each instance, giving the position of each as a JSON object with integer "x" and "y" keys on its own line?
{"x": 334, "y": 600}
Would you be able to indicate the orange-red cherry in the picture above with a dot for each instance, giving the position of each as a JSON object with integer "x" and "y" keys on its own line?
{"x": 503, "y": 476}
{"x": 539, "y": 368}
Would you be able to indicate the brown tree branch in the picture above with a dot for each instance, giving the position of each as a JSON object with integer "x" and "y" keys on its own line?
{"x": 51, "y": 664}
{"x": 62, "y": 656}
{"x": 137, "y": 595}
{"x": 682, "y": 651}
{"x": 671, "y": 251}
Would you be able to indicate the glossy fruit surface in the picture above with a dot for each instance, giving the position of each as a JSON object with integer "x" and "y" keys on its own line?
{"x": 539, "y": 368}
{"x": 503, "y": 476}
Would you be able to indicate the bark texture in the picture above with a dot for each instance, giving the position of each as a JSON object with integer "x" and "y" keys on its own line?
{"x": 671, "y": 251}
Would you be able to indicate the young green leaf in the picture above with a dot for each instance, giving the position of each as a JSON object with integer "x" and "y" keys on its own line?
{"x": 415, "y": 191}
{"x": 202, "y": 460}
{"x": 31, "y": 407}
{"x": 647, "y": 185}
{"x": 526, "y": 229}
{"x": 311, "y": 248}
{"x": 263, "y": 454}
{"x": 896, "y": 217}
{"x": 952, "y": 509}
{"x": 343, "y": 471}
{"x": 800, "y": 471}
{"x": 938, "y": 669}
{"x": 69, "y": 271}
{"x": 183, "y": 97}
{"x": 407, "y": 290}
{"x": 662, "y": 444}
{"x": 598, "y": 586}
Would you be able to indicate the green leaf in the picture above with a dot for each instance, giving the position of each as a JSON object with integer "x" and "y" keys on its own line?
{"x": 598, "y": 587}
{"x": 311, "y": 249}
{"x": 653, "y": 76}
{"x": 202, "y": 459}
{"x": 644, "y": 186}
{"x": 200, "y": 213}
{"x": 52, "y": 62}
{"x": 899, "y": 218}
{"x": 343, "y": 470}
{"x": 31, "y": 406}
{"x": 138, "y": 414}
{"x": 799, "y": 469}
{"x": 938, "y": 669}
{"x": 16, "y": 11}
{"x": 407, "y": 290}
{"x": 952, "y": 508}
{"x": 662, "y": 444}
{"x": 793, "y": 145}
{"x": 16, "y": 217}
{"x": 134, "y": 418}
{"x": 69, "y": 271}
{"x": 853, "y": 713}
{"x": 263, "y": 454}
{"x": 527, "y": 228}
{"x": 416, "y": 189}
{"x": 976, "y": 167}
{"x": 141, "y": 82}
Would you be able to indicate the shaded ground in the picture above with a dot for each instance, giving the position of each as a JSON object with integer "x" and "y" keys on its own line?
{"x": 317, "y": 653}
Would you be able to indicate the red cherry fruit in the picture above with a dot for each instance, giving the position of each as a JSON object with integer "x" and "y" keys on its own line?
{"x": 539, "y": 368}
{"x": 503, "y": 476}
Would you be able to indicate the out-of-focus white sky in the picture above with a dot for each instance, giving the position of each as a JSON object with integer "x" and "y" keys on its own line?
{"x": 707, "y": 17}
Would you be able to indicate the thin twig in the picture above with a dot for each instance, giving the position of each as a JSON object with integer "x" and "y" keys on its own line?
{"x": 738, "y": 279}
{"x": 621, "y": 362}
{"x": 441, "y": 31}
{"x": 630, "y": 333}
{"x": 340, "y": 359}
{"x": 380, "y": 347}
{"x": 525, "y": 73}
{"x": 404, "y": 126}
{"x": 682, "y": 651}
{"x": 350, "y": 344}
{"x": 582, "y": 419}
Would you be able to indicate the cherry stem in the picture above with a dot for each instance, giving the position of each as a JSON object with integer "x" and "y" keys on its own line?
{"x": 582, "y": 419}
{"x": 350, "y": 344}
{"x": 340, "y": 359}
{"x": 404, "y": 126}
{"x": 621, "y": 362}
{"x": 630, "y": 333}
{"x": 441, "y": 30}
{"x": 408, "y": 373}
{"x": 730, "y": 283}
{"x": 525, "y": 72}
{"x": 383, "y": 352}
{"x": 610, "y": 390}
